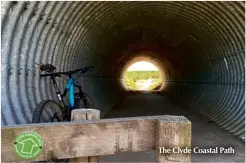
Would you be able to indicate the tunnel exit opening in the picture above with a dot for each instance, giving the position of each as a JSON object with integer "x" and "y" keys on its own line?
{"x": 142, "y": 76}
{"x": 143, "y": 73}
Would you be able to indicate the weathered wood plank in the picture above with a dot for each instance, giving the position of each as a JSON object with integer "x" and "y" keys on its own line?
{"x": 173, "y": 135}
{"x": 88, "y": 138}
{"x": 85, "y": 114}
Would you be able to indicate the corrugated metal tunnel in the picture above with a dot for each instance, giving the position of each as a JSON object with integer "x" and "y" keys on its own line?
{"x": 199, "y": 46}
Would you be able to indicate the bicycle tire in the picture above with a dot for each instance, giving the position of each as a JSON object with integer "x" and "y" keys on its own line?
{"x": 79, "y": 103}
{"x": 43, "y": 106}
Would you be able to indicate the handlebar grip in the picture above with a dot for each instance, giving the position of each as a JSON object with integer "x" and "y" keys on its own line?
{"x": 86, "y": 69}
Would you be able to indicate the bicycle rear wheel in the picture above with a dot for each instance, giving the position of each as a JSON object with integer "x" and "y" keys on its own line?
{"x": 48, "y": 111}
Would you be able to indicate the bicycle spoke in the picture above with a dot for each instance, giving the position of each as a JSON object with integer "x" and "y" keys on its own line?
{"x": 55, "y": 117}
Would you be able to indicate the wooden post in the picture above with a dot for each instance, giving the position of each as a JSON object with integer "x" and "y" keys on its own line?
{"x": 85, "y": 114}
{"x": 172, "y": 135}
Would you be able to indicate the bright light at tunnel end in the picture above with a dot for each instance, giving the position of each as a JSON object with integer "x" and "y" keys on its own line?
{"x": 142, "y": 66}
{"x": 142, "y": 76}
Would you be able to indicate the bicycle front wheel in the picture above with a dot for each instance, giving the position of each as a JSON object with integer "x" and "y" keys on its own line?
{"x": 83, "y": 101}
{"x": 48, "y": 111}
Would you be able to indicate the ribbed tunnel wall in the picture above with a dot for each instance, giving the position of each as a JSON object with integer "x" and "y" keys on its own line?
{"x": 200, "y": 44}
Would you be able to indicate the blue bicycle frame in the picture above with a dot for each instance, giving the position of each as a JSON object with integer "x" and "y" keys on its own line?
{"x": 70, "y": 88}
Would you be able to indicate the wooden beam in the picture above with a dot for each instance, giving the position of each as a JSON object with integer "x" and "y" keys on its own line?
{"x": 88, "y": 138}
{"x": 85, "y": 114}
{"x": 173, "y": 136}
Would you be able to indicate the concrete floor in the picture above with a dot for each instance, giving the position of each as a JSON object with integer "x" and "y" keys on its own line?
{"x": 204, "y": 134}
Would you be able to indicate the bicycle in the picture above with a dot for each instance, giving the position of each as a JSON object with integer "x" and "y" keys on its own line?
{"x": 50, "y": 110}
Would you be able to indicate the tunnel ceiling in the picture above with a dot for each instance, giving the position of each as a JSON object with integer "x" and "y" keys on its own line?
{"x": 203, "y": 42}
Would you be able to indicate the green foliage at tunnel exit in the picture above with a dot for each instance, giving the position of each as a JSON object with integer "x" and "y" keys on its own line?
{"x": 142, "y": 80}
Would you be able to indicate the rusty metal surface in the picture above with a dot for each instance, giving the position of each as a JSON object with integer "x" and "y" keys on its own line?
{"x": 208, "y": 62}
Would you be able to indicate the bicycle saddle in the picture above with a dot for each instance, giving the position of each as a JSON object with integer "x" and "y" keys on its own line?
{"x": 47, "y": 67}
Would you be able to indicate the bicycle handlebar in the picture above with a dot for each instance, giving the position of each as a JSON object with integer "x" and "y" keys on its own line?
{"x": 69, "y": 73}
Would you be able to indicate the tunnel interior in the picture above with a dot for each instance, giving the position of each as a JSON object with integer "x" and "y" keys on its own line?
{"x": 198, "y": 46}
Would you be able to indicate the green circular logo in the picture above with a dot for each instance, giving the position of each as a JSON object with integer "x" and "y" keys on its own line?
{"x": 28, "y": 145}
